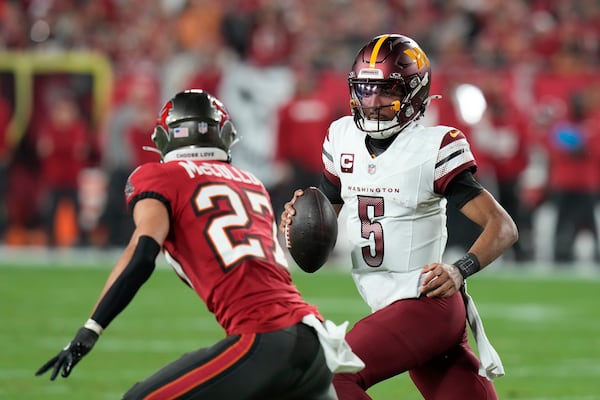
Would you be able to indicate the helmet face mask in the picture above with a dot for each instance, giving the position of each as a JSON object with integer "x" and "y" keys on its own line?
{"x": 191, "y": 120}
{"x": 394, "y": 68}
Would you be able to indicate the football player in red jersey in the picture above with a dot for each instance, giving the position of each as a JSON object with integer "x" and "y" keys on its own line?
{"x": 215, "y": 225}
{"x": 395, "y": 178}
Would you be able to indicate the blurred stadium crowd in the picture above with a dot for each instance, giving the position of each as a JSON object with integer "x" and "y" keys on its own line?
{"x": 521, "y": 78}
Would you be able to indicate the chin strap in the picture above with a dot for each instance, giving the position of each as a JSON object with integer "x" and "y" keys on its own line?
{"x": 152, "y": 149}
{"x": 432, "y": 97}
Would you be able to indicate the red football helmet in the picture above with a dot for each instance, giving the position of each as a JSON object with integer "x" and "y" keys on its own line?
{"x": 394, "y": 66}
{"x": 194, "y": 119}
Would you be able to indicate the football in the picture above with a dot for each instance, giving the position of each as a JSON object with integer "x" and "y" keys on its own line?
{"x": 311, "y": 236}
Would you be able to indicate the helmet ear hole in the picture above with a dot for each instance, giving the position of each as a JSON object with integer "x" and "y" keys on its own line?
{"x": 229, "y": 134}
{"x": 160, "y": 137}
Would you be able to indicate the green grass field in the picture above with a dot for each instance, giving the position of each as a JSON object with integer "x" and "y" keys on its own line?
{"x": 546, "y": 327}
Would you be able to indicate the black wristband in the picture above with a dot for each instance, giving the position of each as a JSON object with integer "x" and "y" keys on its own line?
{"x": 468, "y": 265}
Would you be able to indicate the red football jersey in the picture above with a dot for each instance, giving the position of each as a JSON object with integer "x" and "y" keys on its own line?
{"x": 223, "y": 243}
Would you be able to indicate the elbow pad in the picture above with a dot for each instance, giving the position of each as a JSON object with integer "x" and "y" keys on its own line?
{"x": 135, "y": 274}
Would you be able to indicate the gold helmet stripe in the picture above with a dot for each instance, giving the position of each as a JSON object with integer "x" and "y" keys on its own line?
{"x": 376, "y": 50}
{"x": 418, "y": 56}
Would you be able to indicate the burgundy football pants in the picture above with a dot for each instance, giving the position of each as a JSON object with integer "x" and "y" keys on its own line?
{"x": 425, "y": 336}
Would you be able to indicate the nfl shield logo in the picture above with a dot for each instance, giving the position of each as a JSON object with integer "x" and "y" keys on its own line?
{"x": 202, "y": 128}
{"x": 371, "y": 169}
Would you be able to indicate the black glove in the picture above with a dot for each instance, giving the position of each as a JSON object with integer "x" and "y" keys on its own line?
{"x": 69, "y": 357}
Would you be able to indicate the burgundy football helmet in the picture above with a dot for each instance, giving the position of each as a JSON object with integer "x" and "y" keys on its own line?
{"x": 190, "y": 120}
{"x": 395, "y": 66}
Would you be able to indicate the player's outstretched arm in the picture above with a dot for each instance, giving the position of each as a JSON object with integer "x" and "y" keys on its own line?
{"x": 131, "y": 271}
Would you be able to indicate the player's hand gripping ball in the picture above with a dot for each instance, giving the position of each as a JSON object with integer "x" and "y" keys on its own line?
{"x": 311, "y": 236}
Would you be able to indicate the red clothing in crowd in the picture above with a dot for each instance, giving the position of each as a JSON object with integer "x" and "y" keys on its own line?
{"x": 270, "y": 42}
{"x": 63, "y": 151}
{"x": 138, "y": 137}
{"x": 5, "y": 116}
{"x": 302, "y": 125}
{"x": 501, "y": 138}
{"x": 572, "y": 138}
{"x": 208, "y": 78}
{"x": 573, "y": 153}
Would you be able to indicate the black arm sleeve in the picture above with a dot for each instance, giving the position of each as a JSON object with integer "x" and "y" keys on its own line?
{"x": 125, "y": 287}
{"x": 462, "y": 188}
{"x": 331, "y": 191}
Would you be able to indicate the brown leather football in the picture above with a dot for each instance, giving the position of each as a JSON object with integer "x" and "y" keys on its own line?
{"x": 311, "y": 236}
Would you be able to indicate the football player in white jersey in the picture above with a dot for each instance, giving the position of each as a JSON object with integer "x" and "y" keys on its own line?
{"x": 395, "y": 178}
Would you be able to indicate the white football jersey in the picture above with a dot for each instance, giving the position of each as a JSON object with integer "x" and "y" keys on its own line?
{"x": 395, "y": 205}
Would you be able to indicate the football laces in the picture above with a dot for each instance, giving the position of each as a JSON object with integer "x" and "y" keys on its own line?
{"x": 286, "y": 232}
